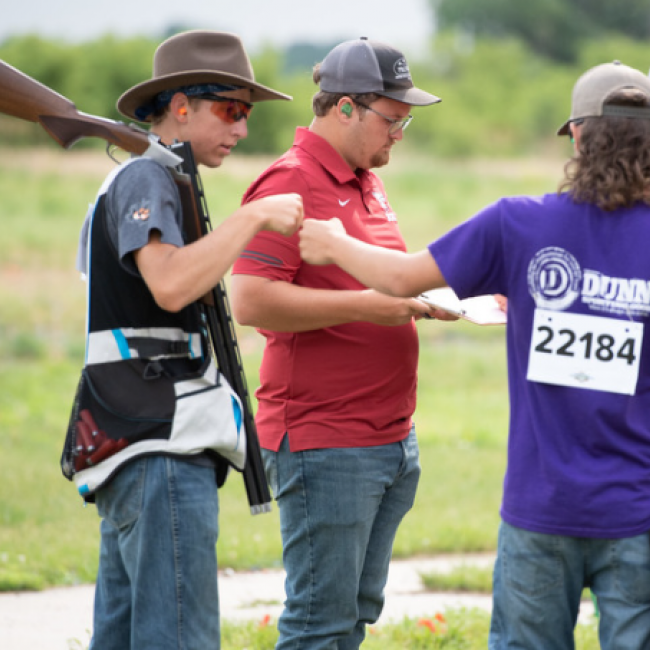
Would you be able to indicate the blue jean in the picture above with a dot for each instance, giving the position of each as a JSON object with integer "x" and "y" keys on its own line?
{"x": 538, "y": 582}
{"x": 339, "y": 513}
{"x": 157, "y": 581}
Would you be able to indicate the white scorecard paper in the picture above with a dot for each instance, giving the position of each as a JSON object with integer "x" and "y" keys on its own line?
{"x": 482, "y": 310}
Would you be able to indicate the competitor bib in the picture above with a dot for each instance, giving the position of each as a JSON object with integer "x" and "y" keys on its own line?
{"x": 584, "y": 351}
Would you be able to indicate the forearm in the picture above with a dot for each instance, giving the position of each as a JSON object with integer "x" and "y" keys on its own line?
{"x": 178, "y": 276}
{"x": 284, "y": 307}
{"x": 393, "y": 272}
{"x": 202, "y": 264}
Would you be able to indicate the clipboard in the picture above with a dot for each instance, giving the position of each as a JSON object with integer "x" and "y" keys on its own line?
{"x": 481, "y": 310}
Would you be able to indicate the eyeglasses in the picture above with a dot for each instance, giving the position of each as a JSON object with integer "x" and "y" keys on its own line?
{"x": 228, "y": 109}
{"x": 396, "y": 124}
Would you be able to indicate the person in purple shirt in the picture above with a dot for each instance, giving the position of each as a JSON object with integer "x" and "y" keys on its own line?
{"x": 575, "y": 269}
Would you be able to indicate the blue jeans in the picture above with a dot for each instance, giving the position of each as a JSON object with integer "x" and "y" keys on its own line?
{"x": 157, "y": 581}
{"x": 538, "y": 581}
{"x": 339, "y": 512}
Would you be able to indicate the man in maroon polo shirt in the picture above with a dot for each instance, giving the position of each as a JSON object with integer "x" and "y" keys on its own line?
{"x": 338, "y": 377}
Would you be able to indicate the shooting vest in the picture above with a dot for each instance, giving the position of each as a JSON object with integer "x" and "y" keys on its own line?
{"x": 149, "y": 380}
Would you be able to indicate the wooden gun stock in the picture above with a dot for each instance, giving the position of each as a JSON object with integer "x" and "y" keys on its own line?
{"x": 27, "y": 99}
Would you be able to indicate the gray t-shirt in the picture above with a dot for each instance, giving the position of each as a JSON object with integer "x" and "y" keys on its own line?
{"x": 143, "y": 197}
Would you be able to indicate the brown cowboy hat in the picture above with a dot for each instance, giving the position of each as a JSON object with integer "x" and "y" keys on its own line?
{"x": 196, "y": 57}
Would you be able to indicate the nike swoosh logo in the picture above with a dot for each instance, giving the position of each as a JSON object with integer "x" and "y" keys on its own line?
{"x": 343, "y": 203}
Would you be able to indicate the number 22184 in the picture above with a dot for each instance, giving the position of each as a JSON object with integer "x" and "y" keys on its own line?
{"x": 584, "y": 351}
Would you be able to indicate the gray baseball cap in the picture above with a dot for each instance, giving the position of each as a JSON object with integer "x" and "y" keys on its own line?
{"x": 595, "y": 86}
{"x": 363, "y": 66}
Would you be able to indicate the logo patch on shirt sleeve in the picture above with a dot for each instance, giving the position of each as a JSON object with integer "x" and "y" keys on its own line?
{"x": 141, "y": 214}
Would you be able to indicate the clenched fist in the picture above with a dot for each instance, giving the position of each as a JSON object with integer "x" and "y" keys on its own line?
{"x": 281, "y": 213}
{"x": 318, "y": 240}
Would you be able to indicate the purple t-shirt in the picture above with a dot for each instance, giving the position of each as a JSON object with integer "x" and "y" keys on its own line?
{"x": 578, "y": 286}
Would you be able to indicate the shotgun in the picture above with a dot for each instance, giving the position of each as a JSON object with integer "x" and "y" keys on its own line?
{"x": 216, "y": 313}
{"x": 27, "y": 99}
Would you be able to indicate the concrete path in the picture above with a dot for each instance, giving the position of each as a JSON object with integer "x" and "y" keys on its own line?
{"x": 61, "y": 619}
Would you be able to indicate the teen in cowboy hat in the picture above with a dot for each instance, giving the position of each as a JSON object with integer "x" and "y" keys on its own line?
{"x": 157, "y": 580}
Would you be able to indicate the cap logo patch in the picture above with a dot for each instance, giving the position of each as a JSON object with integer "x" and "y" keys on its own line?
{"x": 401, "y": 69}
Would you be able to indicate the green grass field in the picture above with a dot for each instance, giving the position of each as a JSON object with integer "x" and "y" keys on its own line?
{"x": 48, "y": 537}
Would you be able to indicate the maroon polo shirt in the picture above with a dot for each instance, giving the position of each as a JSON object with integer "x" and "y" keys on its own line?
{"x": 351, "y": 385}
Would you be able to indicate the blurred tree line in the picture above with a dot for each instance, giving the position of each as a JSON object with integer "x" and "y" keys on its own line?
{"x": 552, "y": 28}
{"x": 505, "y": 90}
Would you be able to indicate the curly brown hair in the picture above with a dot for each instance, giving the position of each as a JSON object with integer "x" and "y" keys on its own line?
{"x": 612, "y": 167}
{"x": 323, "y": 101}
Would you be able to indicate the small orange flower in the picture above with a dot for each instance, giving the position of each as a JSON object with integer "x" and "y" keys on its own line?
{"x": 427, "y": 622}
{"x": 440, "y": 617}
{"x": 266, "y": 619}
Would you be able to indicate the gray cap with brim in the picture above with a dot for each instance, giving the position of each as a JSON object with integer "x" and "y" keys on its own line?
{"x": 595, "y": 86}
{"x": 364, "y": 66}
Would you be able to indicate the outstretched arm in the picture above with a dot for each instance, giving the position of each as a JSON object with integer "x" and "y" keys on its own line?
{"x": 389, "y": 271}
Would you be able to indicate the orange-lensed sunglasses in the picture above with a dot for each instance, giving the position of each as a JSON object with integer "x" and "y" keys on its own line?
{"x": 228, "y": 109}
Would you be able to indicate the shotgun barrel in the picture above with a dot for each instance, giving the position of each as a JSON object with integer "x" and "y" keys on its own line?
{"x": 217, "y": 315}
